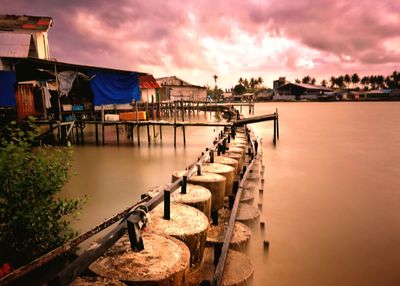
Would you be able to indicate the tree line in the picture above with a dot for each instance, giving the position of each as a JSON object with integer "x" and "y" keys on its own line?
{"x": 354, "y": 81}
{"x": 248, "y": 85}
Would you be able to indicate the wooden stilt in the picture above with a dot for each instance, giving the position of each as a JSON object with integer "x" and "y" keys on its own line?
{"x": 76, "y": 134}
{"x": 97, "y": 133}
{"x": 184, "y": 135}
{"x": 274, "y": 131}
{"x": 183, "y": 111}
{"x": 102, "y": 133}
{"x": 138, "y": 135}
{"x": 148, "y": 133}
{"x": 175, "y": 135}
{"x": 82, "y": 126}
{"x": 117, "y": 131}
{"x": 277, "y": 123}
{"x": 160, "y": 133}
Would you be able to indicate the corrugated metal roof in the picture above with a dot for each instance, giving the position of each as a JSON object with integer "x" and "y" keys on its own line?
{"x": 174, "y": 81}
{"x": 148, "y": 81}
{"x": 14, "y": 45}
{"x": 24, "y": 22}
{"x": 306, "y": 86}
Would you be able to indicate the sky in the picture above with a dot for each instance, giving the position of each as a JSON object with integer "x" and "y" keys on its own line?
{"x": 196, "y": 40}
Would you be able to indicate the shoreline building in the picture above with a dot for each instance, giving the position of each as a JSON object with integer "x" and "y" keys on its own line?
{"x": 24, "y": 36}
{"x": 149, "y": 89}
{"x": 174, "y": 88}
{"x": 298, "y": 91}
{"x": 33, "y": 84}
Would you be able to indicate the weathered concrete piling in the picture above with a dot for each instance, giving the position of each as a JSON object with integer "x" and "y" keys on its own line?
{"x": 227, "y": 161}
{"x": 195, "y": 196}
{"x": 241, "y": 235}
{"x": 186, "y": 224}
{"x": 238, "y": 157}
{"x": 238, "y": 269}
{"x": 215, "y": 183}
{"x": 164, "y": 261}
{"x": 227, "y": 171}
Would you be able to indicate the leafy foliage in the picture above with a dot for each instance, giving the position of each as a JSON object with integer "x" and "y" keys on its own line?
{"x": 32, "y": 219}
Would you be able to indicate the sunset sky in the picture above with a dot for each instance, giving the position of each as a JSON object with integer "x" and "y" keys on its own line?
{"x": 196, "y": 39}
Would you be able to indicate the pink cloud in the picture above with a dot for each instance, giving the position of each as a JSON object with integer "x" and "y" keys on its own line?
{"x": 196, "y": 39}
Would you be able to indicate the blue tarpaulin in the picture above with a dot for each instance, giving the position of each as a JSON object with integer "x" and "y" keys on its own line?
{"x": 114, "y": 88}
{"x": 7, "y": 88}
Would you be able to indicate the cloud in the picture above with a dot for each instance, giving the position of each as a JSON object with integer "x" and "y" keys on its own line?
{"x": 196, "y": 39}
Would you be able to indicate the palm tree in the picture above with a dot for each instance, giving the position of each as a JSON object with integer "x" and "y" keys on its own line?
{"x": 306, "y": 79}
{"x": 333, "y": 81}
{"x": 313, "y": 81}
{"x": 252, "y": 83}
{"x": 380, "y": 80}
{"x": 215, "y": 80}
{"x": 347, "y": 79}
{"x": 340, "y": 81}
{"x": 355, "y": 79}
{"x": 396, "y": 79}
{"x": 372, "y": 81}
{"x": 324, "y": 83}
{"x": 365, "y": 82}
{"x": 246, "y": 83}
{"x": 260, "y": 80}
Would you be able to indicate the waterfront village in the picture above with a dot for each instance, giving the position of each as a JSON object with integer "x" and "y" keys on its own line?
{"x": 35, "y": 84}
{"x": 220, "y": 201}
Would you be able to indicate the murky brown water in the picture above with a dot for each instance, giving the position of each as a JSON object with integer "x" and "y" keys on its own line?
{"x": 331, "y": 199}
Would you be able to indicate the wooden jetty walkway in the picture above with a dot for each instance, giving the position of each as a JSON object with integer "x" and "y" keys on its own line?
{"x": 73, "y": 131}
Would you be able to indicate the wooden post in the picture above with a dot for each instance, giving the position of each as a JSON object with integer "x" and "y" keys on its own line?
{"x": 102, "y": 124}
{"x": 175, "y": 135}
{"x": 138, "y": 134}
{"x": 160, "y": 133}
{"x": 183, "y": 110}
{"x": 147, "y": 110}
{"x": 132, "y": 127}
{"x": 152, "y": 107}
{"x": 184, "y": 135}
{"x": 274, "y": 140}
{"x": 167, "y": 205}
{"x": 137, "y": 123}
{"x": 82, "y": 126}
{"x": 175, "y": 124}
{"x": 148, "y": 134}
{"x": 97, "y": 133}
{"x": 183, "y": 185}
{"x": 77, "y": 134}
{"x": 277, "y": 123}
{"x": 117, "y": 130}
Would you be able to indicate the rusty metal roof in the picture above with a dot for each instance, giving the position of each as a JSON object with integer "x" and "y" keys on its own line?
{"x": 24, "y": 22}
{"x": 148, "y": 81}
{"x": 14, "y": 45}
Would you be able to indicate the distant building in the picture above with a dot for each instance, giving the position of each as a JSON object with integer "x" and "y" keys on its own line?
{"x": 291, "y": 91}
{"x": 149, "y": 88}
{"x": 24, "y": 36}
{"x": 174, "y": 88}
{"x": 281, "y": 81}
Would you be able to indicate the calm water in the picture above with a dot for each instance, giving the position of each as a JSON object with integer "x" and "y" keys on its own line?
{"x": 331, "y": 199}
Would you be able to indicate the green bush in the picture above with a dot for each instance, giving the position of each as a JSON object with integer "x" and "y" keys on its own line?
{"x": 33, "y": 220}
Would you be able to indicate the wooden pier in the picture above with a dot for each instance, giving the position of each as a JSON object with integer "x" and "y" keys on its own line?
{"x": 73, "y": 131}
